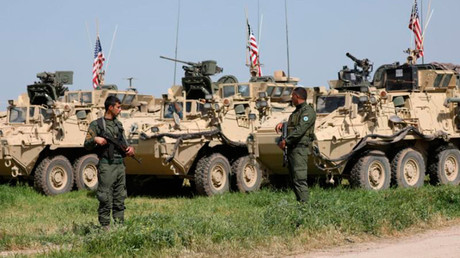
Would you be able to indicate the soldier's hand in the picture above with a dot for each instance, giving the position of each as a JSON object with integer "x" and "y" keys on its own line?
{"x": 100, "y": 140}
{"x": 279, "y": 127}
{"x": 130, "y": 151}
{"x": 282, "y": 144}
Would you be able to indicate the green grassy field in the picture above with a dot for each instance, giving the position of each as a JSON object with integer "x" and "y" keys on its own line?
{"x": 263, "y": 223}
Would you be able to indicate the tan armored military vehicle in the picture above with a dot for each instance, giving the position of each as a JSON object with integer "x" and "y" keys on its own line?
{"x": 44, "y": 132}
{"x": 204, "y": 127}
{"x": 396, "y": 129}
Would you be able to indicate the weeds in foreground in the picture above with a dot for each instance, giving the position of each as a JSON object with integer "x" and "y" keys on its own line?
{"x": 230, "y": 223}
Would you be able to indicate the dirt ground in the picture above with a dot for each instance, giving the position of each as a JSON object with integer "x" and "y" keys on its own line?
{"x": 444, "y": 242}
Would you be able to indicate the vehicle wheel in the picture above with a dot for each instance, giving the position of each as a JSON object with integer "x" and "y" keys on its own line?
{"x": 248, "y": 175}
{"x": 54, "y": 175}
{"x": 371, "y": 171}
{"x": 408, "y": 168}
{"x": 212, "y": 175}
{"x": 444, "y": 169}
{"x": 85, "y": 171}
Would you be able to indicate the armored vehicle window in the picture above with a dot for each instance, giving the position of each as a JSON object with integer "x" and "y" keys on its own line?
{"x": 46, "y": 115}
{"x": 446, "y": 80}
{"x": 171, "y": 108}
{"x": 18, "y": 115}
{"x": 229, "y": 91}
{"x": 199, "y": 106}
{"x": 128, "y": 99}
{"x": 270, "y": 90}
{"x": 86, "y": 97}
{"x": 438, "y": 80}
{"x": 327, "y": 104}
{"x": 31, "y": 112}
{"x": 287, "y": 91}
{"x": 73, "y": 97}
{"x": 278, "y": 92}
{"x": 120, "y": 96}
{"x": 243, "y": 90}
{"x": 188, "y": 107}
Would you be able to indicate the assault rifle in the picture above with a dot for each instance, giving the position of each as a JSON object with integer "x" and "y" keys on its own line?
{"x": 118, "y": 145}
{"x": 284, "y": 133}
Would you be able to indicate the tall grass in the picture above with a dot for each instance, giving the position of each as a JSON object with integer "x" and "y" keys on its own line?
{"x": 260, "y": 223}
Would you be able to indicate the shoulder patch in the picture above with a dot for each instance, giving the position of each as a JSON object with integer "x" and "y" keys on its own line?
{"x": 305, "y": 118}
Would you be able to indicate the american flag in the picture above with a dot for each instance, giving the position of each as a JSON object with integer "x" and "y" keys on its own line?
{"x": 414, "y": 25}
{"x": 254, "y": 51}
{"x": 97, "y": 64}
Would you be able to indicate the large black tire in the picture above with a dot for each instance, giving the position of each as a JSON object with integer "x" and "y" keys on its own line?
{"x": 371, "y": 171}
{"x": 54, "y": 175}
{"x": 408, "y": 168}
{"x": 85, "y": 172}
{"x": 444, "y": 169}
{"x": 212, "y": 175}
{"x": 248, "y": 175}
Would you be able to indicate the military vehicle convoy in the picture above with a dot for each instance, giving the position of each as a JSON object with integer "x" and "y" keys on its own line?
{"x": 42, "y": 137}
{"x": 203, "y": 128}
{"x": 394, "y": 130}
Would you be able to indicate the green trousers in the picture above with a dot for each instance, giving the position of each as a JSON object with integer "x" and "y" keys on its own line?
{"x": 111, "y": 192}
{"x": 298, "y": 165}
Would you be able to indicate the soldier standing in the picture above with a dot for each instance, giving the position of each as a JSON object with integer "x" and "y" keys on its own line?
{"x": 299, "y": 137}
{"x": 106, "y": 138}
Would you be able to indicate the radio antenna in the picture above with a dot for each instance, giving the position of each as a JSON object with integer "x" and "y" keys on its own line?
{"x": 177, "y": 41}
{"x": 287, "y": 40}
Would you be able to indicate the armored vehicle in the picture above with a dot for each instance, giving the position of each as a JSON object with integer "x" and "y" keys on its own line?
{"x": 396, "y": 129}
{"x": 203, "y": 129}
{"x": 42, "y": 138}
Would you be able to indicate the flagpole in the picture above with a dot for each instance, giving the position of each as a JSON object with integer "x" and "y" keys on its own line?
{"x": 287, "y": 40}
{"x": 177, "y": 41}
{"x": 421, "y": 21}
{"x": 111, "y": 47}
{"x": 247, "y": 36}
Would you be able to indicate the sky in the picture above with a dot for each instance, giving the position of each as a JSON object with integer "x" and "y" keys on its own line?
{"x": 59, "y": 35}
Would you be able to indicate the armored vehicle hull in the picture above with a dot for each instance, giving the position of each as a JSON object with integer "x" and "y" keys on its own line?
{"x": 394, "y": 132}
{"x": 44, "y": 132}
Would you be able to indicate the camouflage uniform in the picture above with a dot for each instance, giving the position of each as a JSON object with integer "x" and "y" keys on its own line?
{"x": 111, "y": 189}
{"x": 300, "y": 135}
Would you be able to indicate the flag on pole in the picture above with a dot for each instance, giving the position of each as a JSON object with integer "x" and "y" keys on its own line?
{"x": 253, "y": 51}
{"x": 414, "y": 25}
{"x": 97, "y": 64}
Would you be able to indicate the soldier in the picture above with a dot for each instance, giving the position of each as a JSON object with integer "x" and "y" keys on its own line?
{"x": 106, "y": 138}
{"x": 299, "y": 137}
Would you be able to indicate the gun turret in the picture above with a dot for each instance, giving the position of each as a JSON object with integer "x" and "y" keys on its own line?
{"x": 356, "y": 77}
{"x": 196, "y": 81}
{"x": 50, "y": 87}
{"x": 205, "y": 68}
{"x": 365, "y": 64}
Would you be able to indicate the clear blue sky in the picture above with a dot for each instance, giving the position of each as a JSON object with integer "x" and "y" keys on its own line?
{"x": 51, "y": 35}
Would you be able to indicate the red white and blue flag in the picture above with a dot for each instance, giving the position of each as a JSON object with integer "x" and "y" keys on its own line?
{"x": 254, "y": 51}
{"x": 414, "y": 25}
{"x": 97, "y": 64}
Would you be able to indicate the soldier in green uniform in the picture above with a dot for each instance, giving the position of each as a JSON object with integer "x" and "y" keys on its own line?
{"x": 106, "y": 138}
{"x": 299, "y": 137}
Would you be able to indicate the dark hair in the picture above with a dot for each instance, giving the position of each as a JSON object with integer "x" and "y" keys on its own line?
{"x": 111, "y": 101}
{"x": 301, "y": 92}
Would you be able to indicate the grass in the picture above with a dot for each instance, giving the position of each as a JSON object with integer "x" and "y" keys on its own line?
{"x": 262, "y": 223}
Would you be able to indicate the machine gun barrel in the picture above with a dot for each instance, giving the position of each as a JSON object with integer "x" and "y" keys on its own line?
{"x": 180, "y": 61}
{"x": 356, "y": 60}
